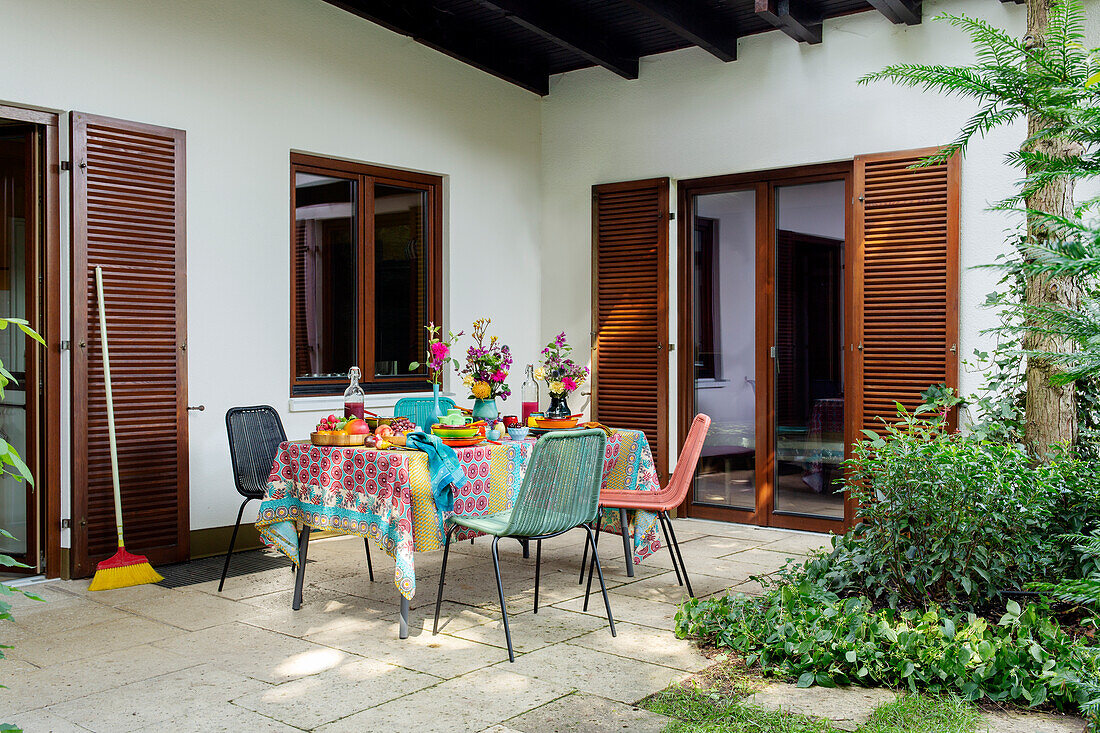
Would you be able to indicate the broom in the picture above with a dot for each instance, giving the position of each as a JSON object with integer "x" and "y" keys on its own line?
{"x": 122, "y": 569}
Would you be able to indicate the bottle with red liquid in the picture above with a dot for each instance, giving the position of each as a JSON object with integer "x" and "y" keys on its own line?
{"x": 354, "y": 396}
{"x": 529, "y": 395}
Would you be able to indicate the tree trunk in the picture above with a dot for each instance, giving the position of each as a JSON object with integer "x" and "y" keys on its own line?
{"x": 1051, "y": 410}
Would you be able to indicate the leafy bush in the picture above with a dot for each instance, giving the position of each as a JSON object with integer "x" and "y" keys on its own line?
{"x": 805, "y": 632}
{"x": 1084, "y": 591}
{"x": 949, "y": 519}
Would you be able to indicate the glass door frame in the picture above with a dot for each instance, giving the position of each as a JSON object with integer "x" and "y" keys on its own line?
{"x": 46, "y": 422}
{"x": 764, "y": 183}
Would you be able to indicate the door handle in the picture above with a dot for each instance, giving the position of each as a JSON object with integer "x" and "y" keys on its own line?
{"x": 198, "y": 408}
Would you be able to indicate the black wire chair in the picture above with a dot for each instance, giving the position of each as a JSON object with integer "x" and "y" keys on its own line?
{"x": 255, "y": 434}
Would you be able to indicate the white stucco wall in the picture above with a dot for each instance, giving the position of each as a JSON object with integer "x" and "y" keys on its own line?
{"x": 780, "y": 104}
{"x": 251, "y": 80}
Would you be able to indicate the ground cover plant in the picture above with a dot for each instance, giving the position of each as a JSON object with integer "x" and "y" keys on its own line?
{"x": 717, "y": 702}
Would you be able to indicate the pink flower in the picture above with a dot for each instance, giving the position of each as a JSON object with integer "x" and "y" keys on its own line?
{"x": 569, "y": 384}
{"x": 499, "y": 376}
{"x": 440, "y": 350}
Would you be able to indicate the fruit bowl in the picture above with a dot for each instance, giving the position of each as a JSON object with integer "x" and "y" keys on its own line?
{"x": 549, "y": 423}
{"x": 338, "y": 439}
{"x": 456, "y": 431}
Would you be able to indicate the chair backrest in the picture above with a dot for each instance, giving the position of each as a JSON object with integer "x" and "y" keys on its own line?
{"x": 561, "y": 488}
{"x": 416, "y": 408}
{"x": 680, "y": 482}
{"x": 254, "y": 436}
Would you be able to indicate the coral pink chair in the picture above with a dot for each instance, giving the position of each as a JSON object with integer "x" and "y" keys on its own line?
{"x": 667, "y": 498}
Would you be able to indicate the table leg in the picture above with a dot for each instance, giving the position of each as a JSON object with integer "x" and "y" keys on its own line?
{"x": 626, "y": 543}
{"x": 403, "y": 629}
{"x": 300, "y": 576}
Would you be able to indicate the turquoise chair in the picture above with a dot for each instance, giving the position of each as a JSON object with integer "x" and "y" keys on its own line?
{"x": 417, "y": 408}
{"x": 560, "y": 492}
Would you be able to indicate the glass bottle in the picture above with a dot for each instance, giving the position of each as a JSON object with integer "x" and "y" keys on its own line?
{"x": 353, "y": 395}
{"x": 529, "y": 395}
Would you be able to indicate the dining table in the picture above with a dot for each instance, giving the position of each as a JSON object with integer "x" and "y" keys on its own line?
{"x": 386, "y": 496}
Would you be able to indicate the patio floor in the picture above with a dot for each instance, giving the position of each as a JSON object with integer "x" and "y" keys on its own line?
{"x": 149, "y": 658}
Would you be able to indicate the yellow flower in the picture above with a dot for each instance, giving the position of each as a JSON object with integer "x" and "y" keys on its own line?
{"x": 540, "y": 374}
{"x": 557, "y": 388}
{"x": 482, "y": 390}
{"x": 468, "y": 380}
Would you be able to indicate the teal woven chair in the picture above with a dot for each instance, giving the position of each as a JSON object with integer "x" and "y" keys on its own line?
{"x": 416, "y": 408}
{"x": 560, "y": 492}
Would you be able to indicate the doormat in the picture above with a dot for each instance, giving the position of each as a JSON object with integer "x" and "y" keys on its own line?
{"x": 193, "y": 572}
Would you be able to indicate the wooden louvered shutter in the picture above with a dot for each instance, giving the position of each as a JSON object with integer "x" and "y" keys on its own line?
{"x": 907, "y": 281}
{"x": 128, "y": 217}
{"x": 630, "y": 309}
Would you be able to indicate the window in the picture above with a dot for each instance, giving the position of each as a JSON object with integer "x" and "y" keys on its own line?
{"x": 366, "y": 272}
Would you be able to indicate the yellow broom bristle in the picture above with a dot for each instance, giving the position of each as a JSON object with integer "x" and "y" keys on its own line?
{"x": 124, "y": 577}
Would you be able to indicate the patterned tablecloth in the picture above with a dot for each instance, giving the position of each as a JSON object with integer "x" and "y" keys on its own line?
{"x": 387, "y": 495}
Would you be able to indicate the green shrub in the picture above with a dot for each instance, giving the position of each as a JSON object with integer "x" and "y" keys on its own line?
{"x": 817, "y": 637}
{"x": 948, "y": 519}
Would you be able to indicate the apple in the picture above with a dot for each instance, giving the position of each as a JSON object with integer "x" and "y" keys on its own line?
{"x": 383, "y": 431}
{"x": 357, "y": 427}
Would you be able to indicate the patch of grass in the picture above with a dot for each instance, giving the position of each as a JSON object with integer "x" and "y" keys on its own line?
{"x": 713, "y": 702}
{"x": 924, "y": 713}
{"x": 700, "y": 711}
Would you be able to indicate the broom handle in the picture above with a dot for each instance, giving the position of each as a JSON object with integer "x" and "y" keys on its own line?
{"x": 110, "y": 400}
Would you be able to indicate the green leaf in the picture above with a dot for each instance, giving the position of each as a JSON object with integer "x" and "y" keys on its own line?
{"x": 806, "y": 679}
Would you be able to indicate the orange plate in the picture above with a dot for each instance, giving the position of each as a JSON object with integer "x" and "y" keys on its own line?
{"x": 462, "y": 442}
{"x": 545, "y": 422}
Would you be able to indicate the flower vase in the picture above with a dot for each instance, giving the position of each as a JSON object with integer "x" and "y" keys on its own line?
{"x": 434, "y": 411}
{"x": 486, "y": 410}
{"x": 559, "y": 406}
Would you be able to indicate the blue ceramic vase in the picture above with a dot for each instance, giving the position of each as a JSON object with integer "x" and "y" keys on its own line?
{"x": 434, "y": 411}
{"x": 486, "y": 410}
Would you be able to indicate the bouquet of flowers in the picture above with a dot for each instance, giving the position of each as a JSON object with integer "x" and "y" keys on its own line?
{"x": 486, "y": 365}
{"x": 439, "y": 353}
{"x": 561, "y": 374}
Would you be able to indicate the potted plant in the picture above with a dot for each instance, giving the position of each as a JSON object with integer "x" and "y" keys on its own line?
{"x": 486, "y": 369}
{"x": 562, "y": 375}
{"x": 438, "y": 357}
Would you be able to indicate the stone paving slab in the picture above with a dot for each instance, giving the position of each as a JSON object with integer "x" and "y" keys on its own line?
{"x": 589, "y": 713}
{"x": 847, "y": 707}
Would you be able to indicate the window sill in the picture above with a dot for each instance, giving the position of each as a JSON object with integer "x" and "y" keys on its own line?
{"x": 331, "y": 403}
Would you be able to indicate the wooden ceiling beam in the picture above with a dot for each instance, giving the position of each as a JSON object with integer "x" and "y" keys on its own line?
{"x": 444, "y": 32}
{"x": 899, "y": 11}
{"x": 567, "y": 31}
{"x": 695, "y": 22}
{"x": 793, "y": 18}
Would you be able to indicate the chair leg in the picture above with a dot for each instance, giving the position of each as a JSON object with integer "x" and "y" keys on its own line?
{"x": 370, "y": 566}
{"x": 526, "y": 548}
{"x": 503, "y": 608}
{"x": 603, "y": 586}
{"x": 232, "y": 541}
{"x": 300, "y": 576}
{"x": 626, "y": 543}
{"x": 671, "y": 553}
{"x": 591, "y": 563}
{"x": 442, "y": 575}
{"x": 538, "y": 567}
{"x": 679, "y": 555}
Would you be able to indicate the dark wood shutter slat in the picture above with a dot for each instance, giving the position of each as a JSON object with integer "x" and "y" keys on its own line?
{"x": 128, "y": 217}
{"x": 630, "y": 317}
{"x": 907, "y": 234}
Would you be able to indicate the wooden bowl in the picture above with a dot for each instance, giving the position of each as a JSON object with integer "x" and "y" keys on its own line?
{"x": 555, "y": 424}
{"x": 343, "y": 441}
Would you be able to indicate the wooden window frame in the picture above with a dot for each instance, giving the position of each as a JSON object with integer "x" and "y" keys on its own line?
{"x": 366, "y": 176}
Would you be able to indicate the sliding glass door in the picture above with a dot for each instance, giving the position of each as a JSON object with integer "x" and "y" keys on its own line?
{"x": 764, "y": 287}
